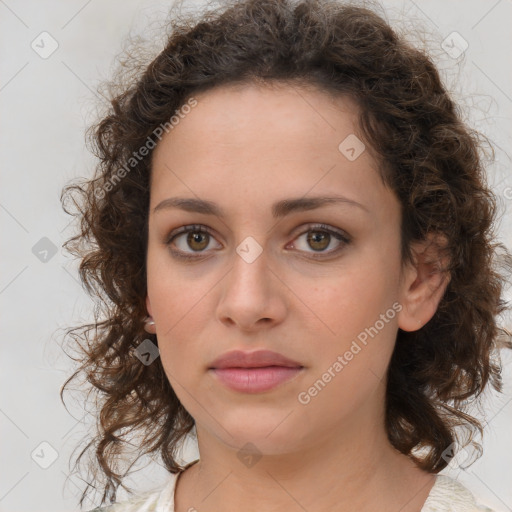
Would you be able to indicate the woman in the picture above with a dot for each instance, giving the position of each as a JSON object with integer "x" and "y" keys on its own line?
{"x": 293, "y": 243}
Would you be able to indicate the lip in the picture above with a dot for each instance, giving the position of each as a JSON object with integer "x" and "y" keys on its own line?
{"x": 255, "y": 380}
{"x": 254, "y": 372}
{"x": 255, "y": 359}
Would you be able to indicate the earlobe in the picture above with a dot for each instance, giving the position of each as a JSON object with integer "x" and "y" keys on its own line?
{"x": 424, "y": 283}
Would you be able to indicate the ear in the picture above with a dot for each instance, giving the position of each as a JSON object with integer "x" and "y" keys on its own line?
{"x": 149, "y": 327}
{"x": 148, "y": 306}
{"x": 423, "y": 282}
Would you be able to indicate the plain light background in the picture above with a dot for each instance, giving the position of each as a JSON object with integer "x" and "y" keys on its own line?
{"x": 46, "y": 103}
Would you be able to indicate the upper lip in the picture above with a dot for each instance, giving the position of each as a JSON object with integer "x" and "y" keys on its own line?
{"x": 256, "y": 359}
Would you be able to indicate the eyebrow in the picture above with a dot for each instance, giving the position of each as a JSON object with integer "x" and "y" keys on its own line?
{"x": 279, "y": 209}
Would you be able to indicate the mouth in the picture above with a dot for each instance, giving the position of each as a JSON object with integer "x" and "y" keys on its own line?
{"x": 255, "y": 379}
{"x": 255, "y": 359}
{"x": 254, "y": 372}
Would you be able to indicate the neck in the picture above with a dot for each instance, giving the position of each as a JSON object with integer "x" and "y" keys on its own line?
{"x": 351, "y": 470}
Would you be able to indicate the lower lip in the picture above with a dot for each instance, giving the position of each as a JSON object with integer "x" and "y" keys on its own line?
{"x": 255, "y": 380}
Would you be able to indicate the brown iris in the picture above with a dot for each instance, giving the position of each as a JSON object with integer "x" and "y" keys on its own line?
{"x": 195, "y": 236}
{"x": 319, "y": 237}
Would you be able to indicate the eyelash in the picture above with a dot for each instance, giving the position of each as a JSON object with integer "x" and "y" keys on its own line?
{"x": 198, "y": 228}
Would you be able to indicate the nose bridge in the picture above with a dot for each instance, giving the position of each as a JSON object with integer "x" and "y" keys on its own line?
{"x": 249, "y": 293}
{"x": 250, "y": 265}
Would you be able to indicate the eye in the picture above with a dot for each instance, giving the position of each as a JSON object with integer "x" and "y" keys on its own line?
{"x": 320, "y": 236}
{"x": 198, "y": 238}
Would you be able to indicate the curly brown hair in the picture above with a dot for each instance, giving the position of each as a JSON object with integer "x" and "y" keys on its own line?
{"x": 429, "y": 157}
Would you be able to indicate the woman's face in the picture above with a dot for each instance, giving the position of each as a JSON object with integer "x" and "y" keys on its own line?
{"x": 267, "y": 277}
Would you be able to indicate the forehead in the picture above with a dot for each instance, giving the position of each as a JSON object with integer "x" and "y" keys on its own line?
{"x": 240, "y": 142}
{"x": 230, "y": 114}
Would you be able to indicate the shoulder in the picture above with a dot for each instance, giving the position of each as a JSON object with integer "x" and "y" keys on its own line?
{"x": 146, "y": 503}
{"x": 154, "y": 501}
{"x": 449, "y": 495}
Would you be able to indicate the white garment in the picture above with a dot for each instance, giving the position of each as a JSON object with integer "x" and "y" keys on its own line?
{"x": 446, "y": 495}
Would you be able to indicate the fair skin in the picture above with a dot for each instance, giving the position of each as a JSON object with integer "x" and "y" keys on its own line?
{"x": 245, "y": 148}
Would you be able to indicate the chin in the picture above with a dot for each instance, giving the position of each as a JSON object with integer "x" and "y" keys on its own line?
{"x": 271, "y": 432}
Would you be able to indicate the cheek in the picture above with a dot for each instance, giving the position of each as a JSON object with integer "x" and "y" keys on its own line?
{"x": 179, "y": 308}
{"x": 177, "y": 293}
{"x": 351, "y": 357}
{"x": 352, "y": 316}
{"x": 350, "y": 300}
{"x": 181, "y": 355}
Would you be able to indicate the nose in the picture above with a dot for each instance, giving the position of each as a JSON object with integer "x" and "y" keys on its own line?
{"x": 253, "y": 295}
